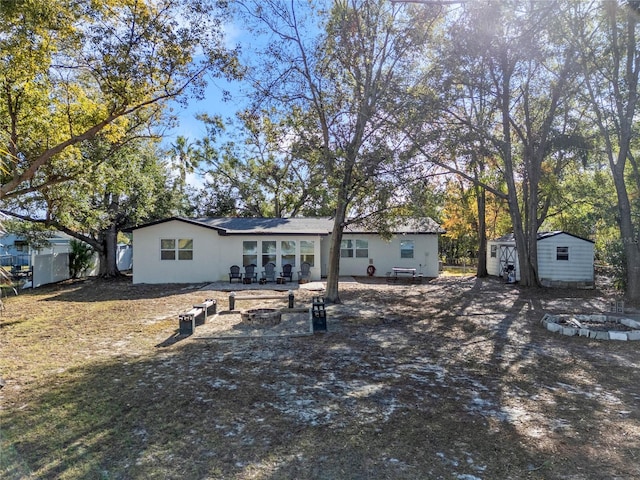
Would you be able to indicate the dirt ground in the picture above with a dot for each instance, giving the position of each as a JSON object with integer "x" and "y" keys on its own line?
{"x": 451, "y": 379}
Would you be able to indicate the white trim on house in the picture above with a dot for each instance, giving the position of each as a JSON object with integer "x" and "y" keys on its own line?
{"x": 213, "y": 245}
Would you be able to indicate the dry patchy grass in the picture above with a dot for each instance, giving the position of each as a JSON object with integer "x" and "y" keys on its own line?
{"x": 450, "y": 379}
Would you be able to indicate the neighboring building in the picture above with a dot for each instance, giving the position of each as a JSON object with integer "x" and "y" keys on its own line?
{"x": 563, "y": 259}
{"x": 183, "y": 250}
{"x": 16, "y": 250}
{"x": 50, "y": 263}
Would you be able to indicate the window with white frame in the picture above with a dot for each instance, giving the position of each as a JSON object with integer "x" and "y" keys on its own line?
{"x": 346, "y": 249}
{"x": 288, "y": 252}
{"x": 494, "y": 251}
{"x": 406, "y": 248}
{"x": 249, "y": 253}
{"x": 354, "y": 248}
{"x": 362, "y": 249}
{"x": 268, "y": 252}
{"x": 172, "y": 249}
{"x": 307, "y": 252}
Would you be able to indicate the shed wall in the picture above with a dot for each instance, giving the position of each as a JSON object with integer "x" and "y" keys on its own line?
{"x": 493, "y": 263}
{"x": 579, "y": 266}
{"x": 578, "y": 269}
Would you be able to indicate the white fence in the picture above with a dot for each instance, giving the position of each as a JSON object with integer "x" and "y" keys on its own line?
{"x": 49, "y": 268}
{"x": 54, "y": 267}
{"x": 125, "y": 257}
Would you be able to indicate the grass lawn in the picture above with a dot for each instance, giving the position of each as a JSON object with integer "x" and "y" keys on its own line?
{"x": 451, "y": 379}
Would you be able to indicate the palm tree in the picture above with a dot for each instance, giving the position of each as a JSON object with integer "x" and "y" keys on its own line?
{"x": 184, "y": 159}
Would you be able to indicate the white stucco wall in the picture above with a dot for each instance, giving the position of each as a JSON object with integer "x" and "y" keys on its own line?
{"x": 385, "y": 254}
{"x": 213, "y": 254}
{"x": 148, "y": 268}
{"x": 232, "y": 247}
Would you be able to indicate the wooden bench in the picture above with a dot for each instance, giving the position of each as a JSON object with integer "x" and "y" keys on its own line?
{"x": 187, "y": 320}
{"x": 233, "y": 298}
{"x": 396, "y": 273}
{"x": 403, "y": 271}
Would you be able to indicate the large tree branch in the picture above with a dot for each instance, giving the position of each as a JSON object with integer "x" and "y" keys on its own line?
{"x": 53, "y": 223}
{"x": 7, "y": 189}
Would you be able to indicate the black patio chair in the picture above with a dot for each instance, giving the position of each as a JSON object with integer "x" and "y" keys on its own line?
{"x": 305, "y": 272}
{"x": 287, "y": 272}
{"x": 234, "y": 274}
{"x": 269, "y": 273}
{"x": 250, "y": 273}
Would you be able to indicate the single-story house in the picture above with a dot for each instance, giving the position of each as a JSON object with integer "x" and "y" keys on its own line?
{"x": 15, "y": 250}
{"x": 563, "y": 259}
{"x": 184, "y": 250}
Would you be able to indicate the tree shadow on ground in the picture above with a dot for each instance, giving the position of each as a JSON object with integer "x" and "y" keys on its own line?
{"x": 466, "y": 386}
{"x": 120, "y": 288}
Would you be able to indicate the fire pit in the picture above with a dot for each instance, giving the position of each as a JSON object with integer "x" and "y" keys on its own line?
{"x": 599, "y": 327}
{"x": 261, "y": 317}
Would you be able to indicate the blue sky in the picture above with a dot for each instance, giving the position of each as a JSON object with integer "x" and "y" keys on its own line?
{"x": 213, "y": 103}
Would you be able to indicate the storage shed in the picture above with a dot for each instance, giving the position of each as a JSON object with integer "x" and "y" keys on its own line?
{"x": 564, "y": 259}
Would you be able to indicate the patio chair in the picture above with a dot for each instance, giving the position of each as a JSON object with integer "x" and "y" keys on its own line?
{"x": 286, "y": 272}
{"x": 304, "y": 274}
{"x": 269, "y": 273}
{"x": 234, "y": 274}
{"x": 250, "y": 273}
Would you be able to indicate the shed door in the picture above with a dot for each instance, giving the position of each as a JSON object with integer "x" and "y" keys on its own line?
{"x": 507, "y": 258}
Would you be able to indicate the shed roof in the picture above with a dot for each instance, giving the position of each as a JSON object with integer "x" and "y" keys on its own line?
{"x": 293, "y": 226}
{"x": 510, "y": 238}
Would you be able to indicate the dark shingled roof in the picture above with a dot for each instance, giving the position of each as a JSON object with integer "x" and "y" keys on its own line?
{"x": 293, "y": 226}
{"x": 261, "y": 226}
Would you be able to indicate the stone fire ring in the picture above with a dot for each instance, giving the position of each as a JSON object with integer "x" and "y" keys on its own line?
{"x": 571, "y": 325}
{"x": 261, "y": 317}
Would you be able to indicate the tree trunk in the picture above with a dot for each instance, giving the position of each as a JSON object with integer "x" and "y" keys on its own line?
{"x": 531, "y": 221}
{"x": 481, "y": 197}
{"x": 108, "y": 254}
{"x": 616, "y": 123}
{"x": 632, "y": 252}
{"x": 522, "y": 246}
{"x": 333, "y": 274}
{"x": 630, "y": 240}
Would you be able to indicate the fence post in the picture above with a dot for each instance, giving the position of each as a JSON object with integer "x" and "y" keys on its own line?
{"x": 232, "y": 301}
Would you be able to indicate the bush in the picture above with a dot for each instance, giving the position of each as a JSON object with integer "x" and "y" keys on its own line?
{"x": 80, "y": 258}
{"x": 613, "y": 255}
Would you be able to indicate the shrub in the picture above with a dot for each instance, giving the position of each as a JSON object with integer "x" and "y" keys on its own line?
{"x": 80, "y": 258}
{"x": 613, "y": 255}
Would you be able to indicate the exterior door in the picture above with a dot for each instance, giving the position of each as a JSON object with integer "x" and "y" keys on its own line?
{"x": 507, "y": 260}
